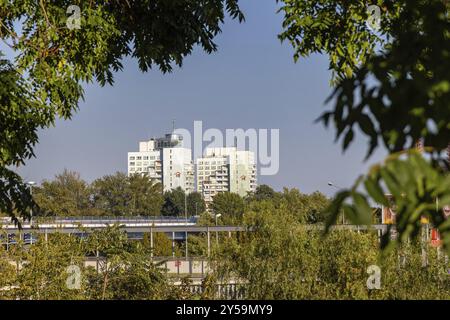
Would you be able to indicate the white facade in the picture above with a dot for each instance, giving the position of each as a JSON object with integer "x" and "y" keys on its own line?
{"x": 165, "y": 160}
{"x": 178, "y": 169}
{"x": 148, "y": 162}
{"x": 225, "y": 169}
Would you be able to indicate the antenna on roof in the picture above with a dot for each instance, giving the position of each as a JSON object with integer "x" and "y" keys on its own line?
{"x": 173, "y": 125}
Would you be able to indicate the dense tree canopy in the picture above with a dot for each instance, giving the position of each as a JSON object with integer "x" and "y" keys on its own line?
{"x": 66, "y": 195}
{"x": 174, "y": 202}
{"x": 195, "y": 204}
{"x": 116, "y": 195}
{"x": 230, "y": 206}
{"x": 282, "y": 259}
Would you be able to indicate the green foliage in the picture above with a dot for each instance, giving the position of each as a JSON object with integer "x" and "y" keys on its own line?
{"x": 7, "y": 272}
{"x": 230, "y": 206}
{"x": 197, "y": 245}
{"x": 20, "y": 120}
{"x": 43, "y": 269}
{"x": 174, "y": 202}
{"x": 334, "y": 28}
{"x": 146, "y": 196}
{"x": 419, "y": 191}
{"x": 52, "y": 61}
{"x": 195, "y": 204}
{"x": 403, "y": 92}
{"x": 110, "y": 194}
{"x": 262, "y": 192}
{"x": 308, "y": 208}
{"x": 395, "y": 95}
{"x": 162, "y": 245}
{"x": 283, "y": 259}
{"x": 117, "y": 195}
{"x": 66, "y": 195}
{"x": 125, "y": 269}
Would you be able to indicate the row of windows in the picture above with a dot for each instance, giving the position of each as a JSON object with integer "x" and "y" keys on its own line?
{"x": 145, "y": 163}
{"x": 144, "y": 158}
{"x": 211, "y": 168}
{"x": 211, "y": 162}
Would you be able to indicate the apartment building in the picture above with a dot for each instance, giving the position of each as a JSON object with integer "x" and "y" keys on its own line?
{"x": 165, "y": 160}
{"x": 225, "y": 169}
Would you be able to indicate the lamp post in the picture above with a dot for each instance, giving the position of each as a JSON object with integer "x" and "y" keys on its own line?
{"x": 331, "y": 184}
{"x": 31, "y": 184}
{"x": 216, "y": 216}
{"x": 185, "y": 216}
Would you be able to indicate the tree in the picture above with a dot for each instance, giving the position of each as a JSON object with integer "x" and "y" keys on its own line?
{"x": 396, "y": 95}
{"x": 146, "y": 196}
{"x": 282, "y": 259}
{"x": 53, "y": 59}
{"x": 195, "y": 204}
{"x": 229, "y": 205}
{"x": 174, "y": 202}
{"x": 66, "y": 195}
{"x": 20, "y": 120}
{"x": 44, "y": 272}
{"x": 7, "y": 272}
{"x": 262, "y": 192}
{"x": 308, "y": 208}
{"x": 162, "y": 245}
{"x": 111, "y": 194}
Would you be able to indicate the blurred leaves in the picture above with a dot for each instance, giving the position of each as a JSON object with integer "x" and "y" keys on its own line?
{"x": 392, "y": 87}
{"x": 419, "y": 191}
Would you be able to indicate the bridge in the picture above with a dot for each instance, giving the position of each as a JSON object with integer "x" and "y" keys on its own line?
{"x": 175, "y": 227}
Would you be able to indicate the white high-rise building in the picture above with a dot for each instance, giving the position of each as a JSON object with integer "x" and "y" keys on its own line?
{"x": 165, "y": 160}
{"x": 178, "y": 169}
{"x": 225, "y": 169}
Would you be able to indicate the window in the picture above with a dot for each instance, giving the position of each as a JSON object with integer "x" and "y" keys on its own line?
{"x": 139, "y": 158}
{"x": 132, "y": 163}
{"x": 132, "y": 158}
{"x": 146, "y": 158}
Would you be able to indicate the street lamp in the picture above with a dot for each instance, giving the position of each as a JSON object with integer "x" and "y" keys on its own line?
{"x": 331, "y": 184}
{"x": 31, "y": 184}
{"x": 186, "y": 217}
{"x": 216, "y": 216}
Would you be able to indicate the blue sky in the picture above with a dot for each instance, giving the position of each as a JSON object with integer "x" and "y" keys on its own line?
{"x": 251, "y": 82}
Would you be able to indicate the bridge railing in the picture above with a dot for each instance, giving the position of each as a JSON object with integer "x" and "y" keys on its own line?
{"x": 114, "y": 219}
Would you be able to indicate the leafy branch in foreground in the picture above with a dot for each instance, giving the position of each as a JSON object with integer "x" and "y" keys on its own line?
{"x": 418, "y": 188}
{"x": 52, "y": 62}
{"x": 394, "y": 90}
{"x": 401, "y": 94}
